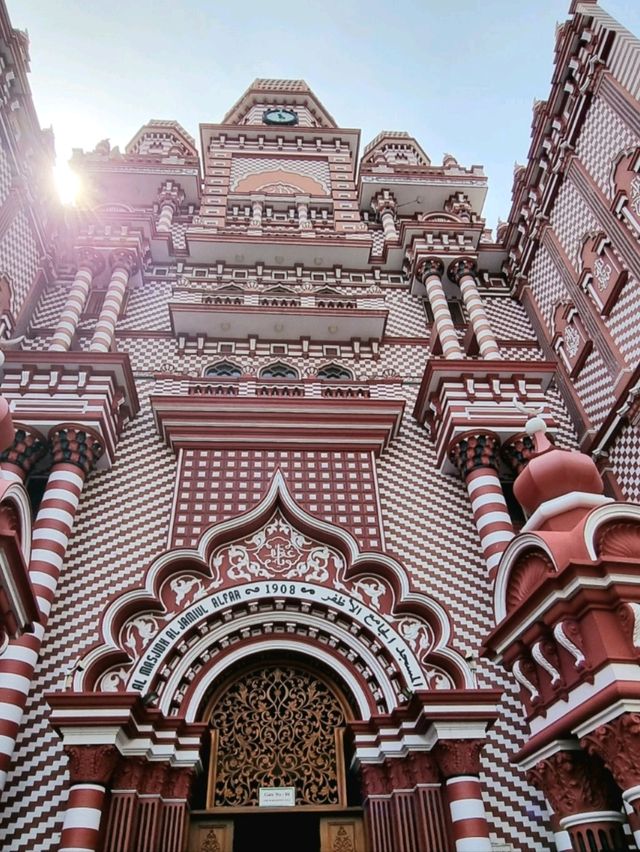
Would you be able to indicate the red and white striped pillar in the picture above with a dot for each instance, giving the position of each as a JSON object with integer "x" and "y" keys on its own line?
{"x": 583, "y": 799}
{"x": 75, "y": 450}
{"x": 90, "y": 263}
{"x": 476, "y": 455}
{"x": 462, "y": 271}
{"x": 459, "y": 763}
{"x": 90, "y": 768}
{"x": 28, "y": 448}
{"x": 384, "y": 204}
{"x": 430, "y": 272}
{"x": 123, "y": 264}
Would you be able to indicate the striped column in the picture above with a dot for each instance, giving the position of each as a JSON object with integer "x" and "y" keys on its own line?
{"x": 468, "y": 818}
{"x": 430, "y": 273}
{"x": 384, "y": 205}
{"x": 631, "y": 799}
{"x": 90, "y": 263}
{"x": 28, "y": 448}
{"x": 459, "y": 763}
{"x": 83, "y": 814}
{"x": 462, "y": 271}
{"x": 165, "y": 219}
{"x": 75, "y": 450}
{"x": 475, "y": 454}
{"x": 123, "y": 264}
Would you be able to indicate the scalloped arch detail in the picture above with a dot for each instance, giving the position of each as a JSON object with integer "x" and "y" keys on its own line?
{"x": 247, "y": 572}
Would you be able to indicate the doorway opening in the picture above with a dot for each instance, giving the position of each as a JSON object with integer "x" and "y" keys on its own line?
{"x": 276, "y": 832}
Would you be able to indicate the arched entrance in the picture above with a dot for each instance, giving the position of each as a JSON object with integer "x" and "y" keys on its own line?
{"x": 276, "y": 762}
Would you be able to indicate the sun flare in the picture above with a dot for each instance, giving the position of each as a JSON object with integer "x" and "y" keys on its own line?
{"x": 67, "y": 183}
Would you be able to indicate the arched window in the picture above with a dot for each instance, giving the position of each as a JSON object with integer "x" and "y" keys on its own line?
{"x": 334, "y": 372}
{"x": 223, "y": 369}
{"x": 278, "y": 371}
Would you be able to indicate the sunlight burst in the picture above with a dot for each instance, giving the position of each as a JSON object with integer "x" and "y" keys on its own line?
{"x": 67, "y": 183}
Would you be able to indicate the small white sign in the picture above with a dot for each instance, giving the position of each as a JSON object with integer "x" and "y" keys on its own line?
{"x": 277, "y": 797}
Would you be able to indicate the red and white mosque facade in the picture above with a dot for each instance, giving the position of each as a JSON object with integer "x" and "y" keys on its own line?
{"x": 320, "y": 507}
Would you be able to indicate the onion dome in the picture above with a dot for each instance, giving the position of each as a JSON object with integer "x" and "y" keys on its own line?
{"x": 552, "y": 472}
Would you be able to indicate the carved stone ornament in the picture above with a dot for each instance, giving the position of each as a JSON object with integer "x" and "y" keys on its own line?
{"x": 72, "y": 444}
{"x": 626, "y": 202}
{"x": 458, "y": 757}
{"x": 571, "y": 340}
{"x": 618, "y": 744}
{"x": 177, "y": 783}
{"x": 567, "y": 635}
{"x": 629, "y": 614}
{"x": 91, "y": 764}
{"x": 28, "y": 447}
{"x": 374, "y": 779}
{"x": 573, "y": 784}
{"x": 620, "y": 540}
{"x": 475, "y": 450}
{"x": 424, "y": 769}
{"x": 129, "y": 773}
{"x": 526, "y": 575}
{"x": 430, "y": 266}
{"x": 603, "y": 274}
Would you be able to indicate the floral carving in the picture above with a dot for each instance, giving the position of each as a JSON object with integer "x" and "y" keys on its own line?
{"x": 277, "y": 551}
{"x": 424, "y": 768}
{"x": 573, "y": 784}
{"x": 618, "y": 744}
{"x": 458, "y": 757}
{"x": 629, "y": 614}
{"x": 138, "y": 632}
{"x": 602, "y": 272}
{"x": 572, "y": 340}
{"x": 91, "y": 764}
{"x": 568, "y": 636}
{"x": 129, "y": 774}
{"x": 374, "y": 779}
{"x": 417, "y": 634}
{"x": 210, "y": 843}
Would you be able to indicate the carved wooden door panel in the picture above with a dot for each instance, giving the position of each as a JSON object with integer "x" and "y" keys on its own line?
{"x": 341, "y": 834}
{"x": 212, "y": 836}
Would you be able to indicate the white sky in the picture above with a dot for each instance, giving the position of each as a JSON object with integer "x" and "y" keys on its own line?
{"x": 459, "y": 75}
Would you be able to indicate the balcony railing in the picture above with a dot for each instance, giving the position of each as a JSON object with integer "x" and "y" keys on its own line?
{"x": 310, "y": 388}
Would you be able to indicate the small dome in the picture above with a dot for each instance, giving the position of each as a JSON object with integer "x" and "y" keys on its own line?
{"x": 552, "y": 472}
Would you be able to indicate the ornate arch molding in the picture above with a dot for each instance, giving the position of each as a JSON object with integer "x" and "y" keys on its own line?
{"x": 613, "y": 530}
{"x": 172, "y": 635}
{"x": 525, "y": 563}
{"x": 13, "y": 496}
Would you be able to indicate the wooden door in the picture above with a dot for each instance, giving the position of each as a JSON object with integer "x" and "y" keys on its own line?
{"x": 211, "y": 836}
{"x": 341, "y": 834}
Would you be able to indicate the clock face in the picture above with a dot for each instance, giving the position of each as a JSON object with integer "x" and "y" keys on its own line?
{"x": 280, "y": 116}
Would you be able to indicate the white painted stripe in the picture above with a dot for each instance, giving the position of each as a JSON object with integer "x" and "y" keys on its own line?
{"x": 43, "y": 605}
{"x": 459, "y": 778}
{"x": 563, "y": 841}
{"x": 7, "y": 745}
{"x": 479, "y": 481}
{"x": 82, "y": 818}
{"x": 48, "y": 533}
{"x": 20, "y": 653}
{"x": 56, "y": 515}
{"x": 69, "y": 497}
{"x": 10, "y": 712}
{"x": 492, "y": 518}
{"x": 467, "y": 809}
{"x": 487, "y": 500}
{"x": 41, "y": 555}
{"x": 494, "y": 538}
{"x": 39, "y": 578}
{"x": 65, "y": 476}
{"x": 17, "y": 682}
{"x": 473, "y": 844}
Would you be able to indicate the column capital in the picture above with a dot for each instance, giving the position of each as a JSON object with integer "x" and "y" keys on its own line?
{"x": 384, "y": 200}
{"x": 424, "y": 768}
{"x": 430, "y": 266}
{"x": 170, "y": 192}
{"x": 177, "y": 784}
{"x": 375, "y": 781}
{"x": 28, "y": 447}
{"x": 124, "y": 259}
{"x": 88, "y": 258}
{"x": 75, "y": 444}
{"x": 518, "y": 450}
{"x": 91, "y": 764}
{"x": 617, "y": 744}
{"x": 473, "y": 450}
{"x": 129, "y": 773}
{"x": 458, "y": 757}
{"x": 460, "y": 267}
{"x": 573, "y": 784}
{"x": 154, "y": 778}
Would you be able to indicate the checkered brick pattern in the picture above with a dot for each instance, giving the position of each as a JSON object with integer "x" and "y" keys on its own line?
{"x": 377, "y": 237}
{"x": 406, "y": 315}
{"x": 242, "y": 167}
{"x": 118, "y": 530}
{"x": 337, "y": 487}
{"x": 5, "y": 174}
{"x": 623, "y": 321}
{"x": 546, "y": 284}
{"x": 624, "y": 457}
{"x": 147, "y": 307}
{"x": 50, "y": 305}
{"x": 571, "y": 219}
{"x": 508, "y": 319}
{"x": 520, "y": 353}
{"x": 420, "y": 505}
{"x": 604, "y": 135}
{"x": 19, "y": 259}
{"x": 593, "y": 385}
{"x": 178, "y": 230}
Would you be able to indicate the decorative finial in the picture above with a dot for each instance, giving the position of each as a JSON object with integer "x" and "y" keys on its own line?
{"x": 535, "y": 425}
